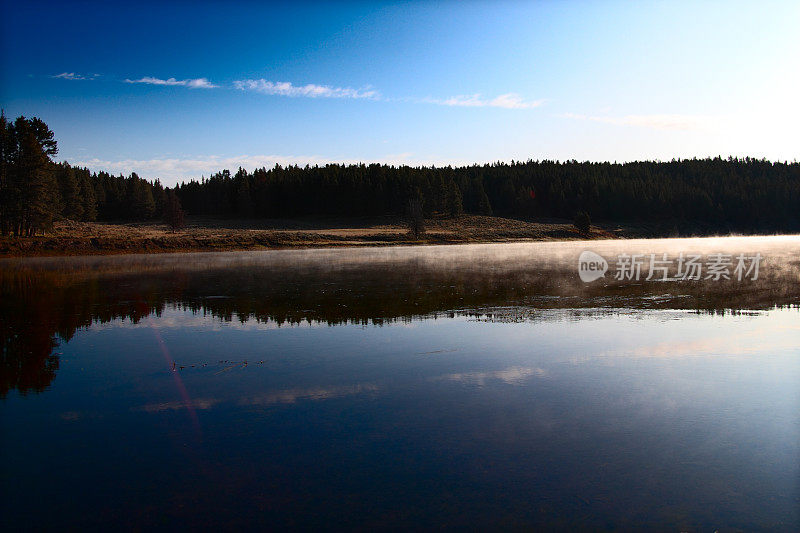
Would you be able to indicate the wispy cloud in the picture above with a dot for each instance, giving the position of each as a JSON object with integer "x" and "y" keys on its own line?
{"x": 313, "y": 90}
{"x": 285, "y": 88}
{"x": 314, "y": 394}
{"x": 288, "y": 396}
{"x": 196, "y": 83}
{"x": 656, "y": 122}
{"x": 74, "y": 76}
{"x": 505, "y": 101}
{"x": 173, "y": 170}
{"x": 512, "y": 376}
{"x": 199, "y": 403}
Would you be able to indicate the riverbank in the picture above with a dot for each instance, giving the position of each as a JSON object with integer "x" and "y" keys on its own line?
{"x": 87, "y": 238}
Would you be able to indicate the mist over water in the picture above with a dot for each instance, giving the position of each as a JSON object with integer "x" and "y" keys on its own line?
{"x": 456, "y": 386}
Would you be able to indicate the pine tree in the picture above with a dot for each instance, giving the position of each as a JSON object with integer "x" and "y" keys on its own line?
{"x": 244, "y": 202}
{"x": 87, "y": 194}
{"x": 71, "y": 204}
{"x": 455, "y": 206}
{"x": 159, "y": 197}
{"x": 415, "y": 217}
{"x": 30, "y": 198}
{"x": 484, "y": 207}
{"x": 140, "y": 197}
{"x": 442, "y": 195}
{"x": 582, "y": 222}
{"x": 5, "y": 163}
{"x": 39, "y": 187}
{"x": 173, "y": 212}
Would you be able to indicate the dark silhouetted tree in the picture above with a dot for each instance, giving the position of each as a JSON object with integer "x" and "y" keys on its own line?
{"x": 484, "y": 206}
{"x": 69, "y": 187}
{"x": 140, "y": 197}
{"x": 455, "y": 206}
{"x": 690, "y": 196}
{"x": 173, "y": 212}
{"x": 29, "y": 197}
{"x": 583, "y": 222}
{"x": 415, "y": 218}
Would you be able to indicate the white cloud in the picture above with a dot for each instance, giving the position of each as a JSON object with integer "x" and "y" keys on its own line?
{"x": 200, "y": 83}
{"x": 173, "y": 170}
{"x": 312, "y": 90}
{"x": 511, "y": 376}
{"x": 74, "y": 76}
{"x": 288, "y": 396}
{"x": 505, "y": 101}
{"x": 196, "y": 83}
{"x": 285, "y": 88}
{"x": 315, "y": 394}
{"x": 199, "y": 403}
{"x": 656, "y": 122}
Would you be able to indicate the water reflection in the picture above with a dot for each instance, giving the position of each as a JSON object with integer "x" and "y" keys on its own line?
{"x": 572, "y": 422}
{"x": 44, "y": 301}
{"x": 480, "y": 387}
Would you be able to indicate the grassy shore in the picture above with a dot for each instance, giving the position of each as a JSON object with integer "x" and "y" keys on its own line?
{"x": 82, "y": 238}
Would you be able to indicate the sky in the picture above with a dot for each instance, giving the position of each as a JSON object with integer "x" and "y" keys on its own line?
{"x": 178, "y": 90}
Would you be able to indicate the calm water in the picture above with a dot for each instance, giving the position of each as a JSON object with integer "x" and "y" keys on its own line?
{"x": 480, "y": 386}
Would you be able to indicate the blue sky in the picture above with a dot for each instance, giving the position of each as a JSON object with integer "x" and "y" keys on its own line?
{"x": 182, "y": 89}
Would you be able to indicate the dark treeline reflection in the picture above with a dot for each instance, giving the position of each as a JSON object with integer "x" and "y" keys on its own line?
{"x": 45, "y": 301}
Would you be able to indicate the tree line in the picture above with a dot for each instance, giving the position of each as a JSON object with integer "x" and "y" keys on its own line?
{"x": 35, "y": 191}
{"x": 732, "y": 194}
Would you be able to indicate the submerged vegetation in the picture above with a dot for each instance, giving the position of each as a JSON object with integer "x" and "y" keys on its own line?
{"x": 694, "y": 195}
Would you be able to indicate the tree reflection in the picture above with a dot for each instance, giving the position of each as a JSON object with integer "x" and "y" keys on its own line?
{"x": 28, "y": 361}
{"x": 44, "y": 302}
